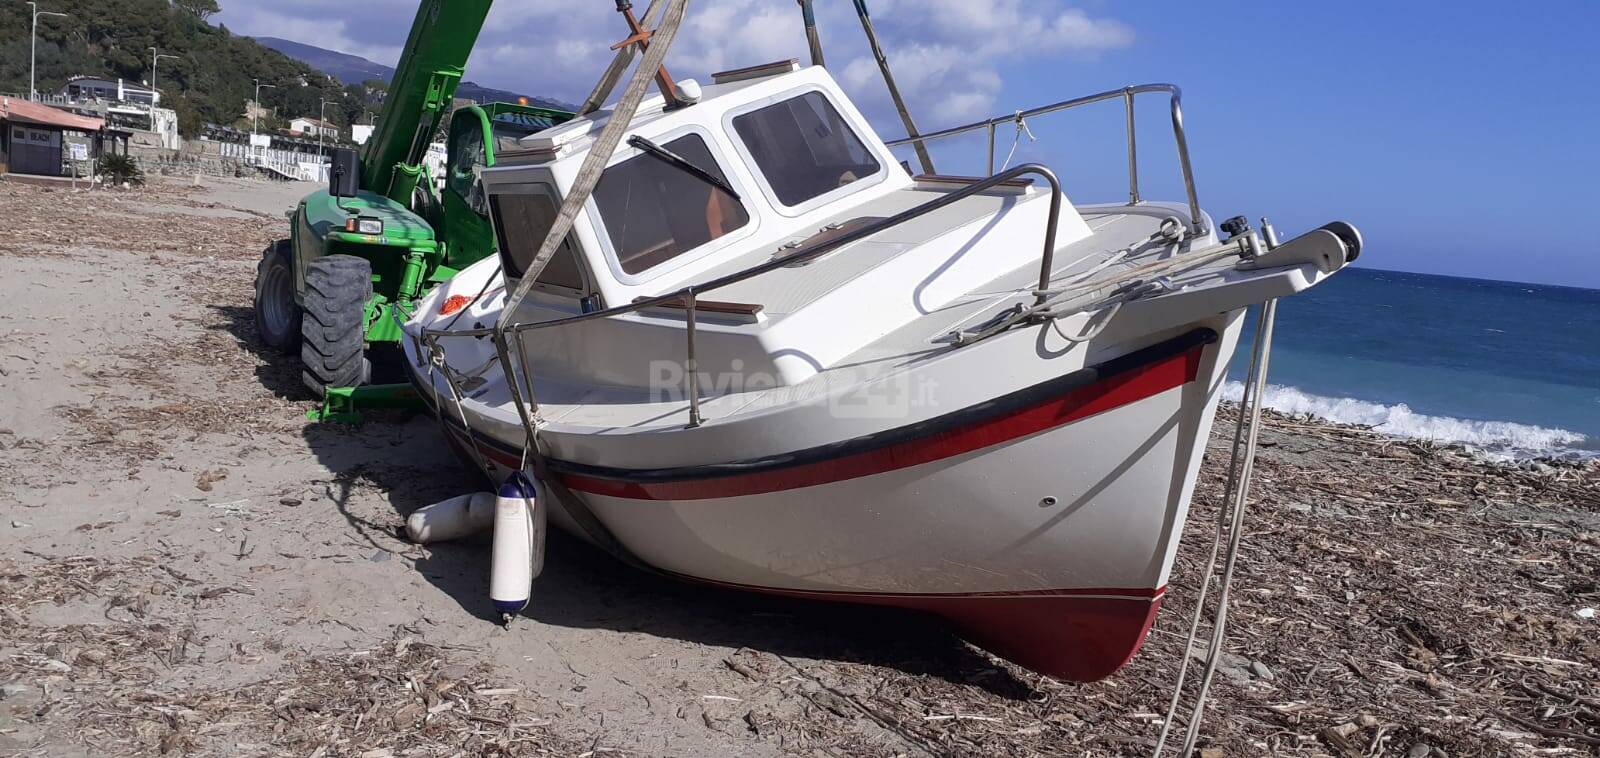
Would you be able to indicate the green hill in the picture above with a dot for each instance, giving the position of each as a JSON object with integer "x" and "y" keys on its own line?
{"x": 209, "y": 81}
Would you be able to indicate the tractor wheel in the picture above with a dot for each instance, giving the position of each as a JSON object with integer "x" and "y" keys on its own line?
{"x": 277, "y": 315}
{"x": 333, "y": 329}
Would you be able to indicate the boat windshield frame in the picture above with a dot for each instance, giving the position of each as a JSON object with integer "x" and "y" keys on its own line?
{"x": 848, "y": 116}
{"x": 717, "y": 150}
{"x": 546, "y": 188}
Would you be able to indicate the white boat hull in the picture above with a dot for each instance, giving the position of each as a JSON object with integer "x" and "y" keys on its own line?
{"x": 1042, "y": 522}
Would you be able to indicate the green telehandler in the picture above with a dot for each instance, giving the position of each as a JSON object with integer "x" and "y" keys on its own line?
{"x": 361, "y": 252}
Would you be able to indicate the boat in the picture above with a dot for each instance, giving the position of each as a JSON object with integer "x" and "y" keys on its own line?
{"x": 769, "y": 356}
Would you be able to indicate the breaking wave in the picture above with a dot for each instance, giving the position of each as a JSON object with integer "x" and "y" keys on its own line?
{"x": 1498, "y": 439}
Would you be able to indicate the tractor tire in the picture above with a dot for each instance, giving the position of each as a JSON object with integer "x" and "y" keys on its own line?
{"x": 277, "y": 314}
{"x": 333, "y": 327}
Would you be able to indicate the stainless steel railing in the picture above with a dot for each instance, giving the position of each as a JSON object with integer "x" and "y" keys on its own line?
{"x": 688, "y": 295}
{"x": 1126, "y": 94}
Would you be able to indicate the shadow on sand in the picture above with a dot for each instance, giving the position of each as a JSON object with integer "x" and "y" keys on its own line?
{"x": 277, "y": 372}
{"x": 403, "y": 457}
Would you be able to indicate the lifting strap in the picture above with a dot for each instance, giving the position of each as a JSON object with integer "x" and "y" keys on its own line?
{"x": 619, "y": 66}
{"x": 594, "y": 163}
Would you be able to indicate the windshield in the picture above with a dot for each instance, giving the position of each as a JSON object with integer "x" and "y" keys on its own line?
{"x": 466, "y": 159}
{"x": 804, "y": 147}
{"x": 512, "y": 126}
{"x": 653, "y": 210}
{"x": 522, "y": 220}
{"x": 468, "y": 154}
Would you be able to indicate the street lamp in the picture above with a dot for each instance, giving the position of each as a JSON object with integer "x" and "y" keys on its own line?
{"x": 322, "y": 120}
{"x": 33, "y": 45}
{"x": 255, "y": 112}
{"x": 155, "y": 57}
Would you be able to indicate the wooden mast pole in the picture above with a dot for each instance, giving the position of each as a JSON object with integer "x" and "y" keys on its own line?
{"x": 894, "y": 91}
{"x": 812, "y": 37}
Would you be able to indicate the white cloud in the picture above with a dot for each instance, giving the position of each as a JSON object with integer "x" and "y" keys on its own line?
{"x": 946, "y": 54}
{"x": 330, "y": 33}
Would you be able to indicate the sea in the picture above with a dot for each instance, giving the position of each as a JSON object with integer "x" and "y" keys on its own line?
{"x": 1510, "y": 370}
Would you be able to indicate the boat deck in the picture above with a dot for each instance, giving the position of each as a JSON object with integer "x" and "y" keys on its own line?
{"x": 603, "y": 409}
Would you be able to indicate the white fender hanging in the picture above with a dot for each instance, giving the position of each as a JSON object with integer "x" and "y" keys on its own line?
{"x": 519, "y": 531}
{"x": 452, "y": 519}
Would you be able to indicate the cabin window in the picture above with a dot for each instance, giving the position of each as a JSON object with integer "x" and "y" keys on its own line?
{"x": 509, "y": 128}
{"x": 466, "y": 158}
{"x": 654, "y": 211}
{"x": 521, "y": 222}
{"x": 804, "y": 147}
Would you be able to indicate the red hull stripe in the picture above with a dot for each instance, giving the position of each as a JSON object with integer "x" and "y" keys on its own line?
{"x": 1111, "y": 392}
{"x": 1143, "y": 594}
{"x": 1080, "y": 635}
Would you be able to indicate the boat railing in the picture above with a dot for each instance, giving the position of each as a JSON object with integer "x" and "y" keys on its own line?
{"x": 686, "y": 296}
{"x": 1127, "y": 95}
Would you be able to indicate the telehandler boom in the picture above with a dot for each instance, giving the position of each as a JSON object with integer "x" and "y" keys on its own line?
{"x": 361, "y": 252}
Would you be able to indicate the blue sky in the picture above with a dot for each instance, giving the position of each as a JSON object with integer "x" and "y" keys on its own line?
{"x": 1462, "y": 138}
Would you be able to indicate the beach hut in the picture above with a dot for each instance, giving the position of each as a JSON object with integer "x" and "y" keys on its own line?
{"x": 33, "y": 137}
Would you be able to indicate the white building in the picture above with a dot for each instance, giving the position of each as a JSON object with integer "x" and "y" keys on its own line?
{"x": 80, "y": 88}
{"x": 125, "y": 105}
{"x": 306, "y": 126}
{"x": 360, "y": 133}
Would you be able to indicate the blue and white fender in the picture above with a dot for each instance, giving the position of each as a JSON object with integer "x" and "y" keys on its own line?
{"x": 519, "y": 531}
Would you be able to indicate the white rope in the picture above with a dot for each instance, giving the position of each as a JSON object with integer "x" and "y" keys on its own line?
{"x": 1171, "y": 230}
{"x": 1022, "y": 128}
{"x": 1096, "y": 324}
{"x": 1128, "y": 284}
{"x": 1230, "y": 519}
{"x": 436, "y": 359}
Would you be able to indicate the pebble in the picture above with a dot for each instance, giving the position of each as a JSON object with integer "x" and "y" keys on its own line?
{"x": 1419, "y": 750}
{"x": 12, "y": 689}
{"x": 381, "y": 556}
{"x": 15, "y": 524}
{"x": 1260, "y": 669}
{"x": 289, "y": 501}
{"x": 1583, "y": 613}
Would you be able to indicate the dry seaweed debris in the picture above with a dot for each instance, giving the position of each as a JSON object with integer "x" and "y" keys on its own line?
{"x": 50, "y": 220}
{"x": 1394, "y": 598}
{"x": 101, "y": 683}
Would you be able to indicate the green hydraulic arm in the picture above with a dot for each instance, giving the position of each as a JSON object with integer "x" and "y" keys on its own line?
{"x": 420, "y": 95}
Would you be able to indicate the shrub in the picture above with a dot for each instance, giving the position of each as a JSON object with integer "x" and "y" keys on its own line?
{"x": 119, "y": 169}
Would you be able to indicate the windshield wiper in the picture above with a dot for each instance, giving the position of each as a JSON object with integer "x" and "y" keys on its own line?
{"x": 683, "y": 163}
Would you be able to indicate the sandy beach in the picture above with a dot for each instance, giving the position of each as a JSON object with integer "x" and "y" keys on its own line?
{"x": 190, "y": 567}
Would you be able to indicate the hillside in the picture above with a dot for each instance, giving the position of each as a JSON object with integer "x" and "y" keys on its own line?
{"x": 210, "y": 80}
{"x": 355, "y": 69}
{"x": 346, "y": 68}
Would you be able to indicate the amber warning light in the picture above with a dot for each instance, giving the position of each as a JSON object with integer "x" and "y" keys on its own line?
{"x": 364, "y": 225}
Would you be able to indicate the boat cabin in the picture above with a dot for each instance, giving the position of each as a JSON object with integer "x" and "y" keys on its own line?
{"x": 788, "y": 162}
